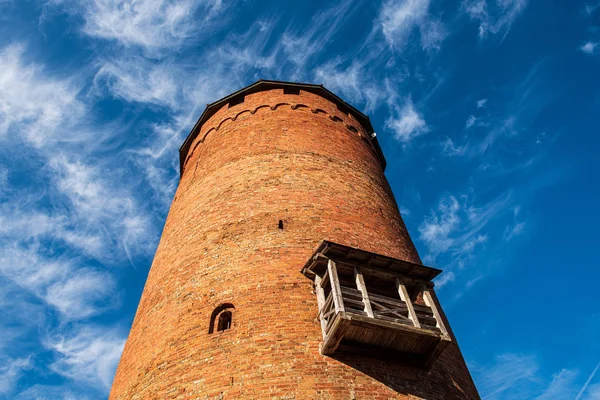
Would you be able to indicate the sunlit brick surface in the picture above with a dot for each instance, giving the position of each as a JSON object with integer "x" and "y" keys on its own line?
{"x": 273, "y": 157}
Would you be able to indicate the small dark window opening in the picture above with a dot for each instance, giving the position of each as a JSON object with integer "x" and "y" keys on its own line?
{"x": 236, "y": 100}
{"x": 280, "y": 224}
{"x": 343, "y": 109}
{"x": 291, "y": 90}
{"x": 224, "y": 321}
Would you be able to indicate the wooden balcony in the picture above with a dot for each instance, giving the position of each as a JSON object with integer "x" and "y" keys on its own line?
{"x": 367, "y": 300}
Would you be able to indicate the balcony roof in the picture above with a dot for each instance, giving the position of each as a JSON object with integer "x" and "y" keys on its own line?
{"x": 376, "y": 264}
{"x": 263, "y": 85}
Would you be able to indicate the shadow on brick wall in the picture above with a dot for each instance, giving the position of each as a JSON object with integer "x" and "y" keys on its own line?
{"x": 402, "y": 376}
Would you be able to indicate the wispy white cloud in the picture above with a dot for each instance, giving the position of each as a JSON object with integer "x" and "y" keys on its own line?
{"x": 3, "y": 179}
{"x": 257, "y": 52}
{"x": 589, "y": 47}
{"x": 21, "y": 318}
{"x": 451, "y": 149}
{"x": 495, "y": 128}
{"x": 178, "y": 90}
{"x": 444, "y": 279}
{"x": 437, "y": 229}
{"x": 502, "y": 128}
{"x": 102, "y": 204}
{"x": 456, "y": 223}
{"x": 401, "y": 18}
{"x": 457, "y": 231}
{"x": 155, "y": 157}
{"x": 511, "y": 376}
{"x": 39, "y": 110}
{"x": 86, "y": 292}
{"x": 170, "y": 86}
{"x": 63, "y": 392}
{"x": 20, "y": 324}
{"x": 10, "y": 372}
{"x": 561, "y": 386}
{"x": 249, "y": 51}
{"x": 87, "y": 354}
{"x": 26, "y": 226}
{"x": 433, "y": 33}
{"x": 476, "y": 9}
{"x": 300, "y": 46}
{"x": 32, "y": 105}
{"x": 353, "y": 82}
{"x": 519, "y": 376}
{"x": 80, "y": 210}
{"x": 407, "y": 124}
{"x": 594, "y": 392}
{"x": 153, "y": 25}
{"x": 590, "y": 8}
{"x": 137, "y": 79}
{"x": 514, "y": 230}
{"x": 494, "y": 16}
{"x": 470, "y": 121}
{"x": 75, "y": 292}
{"x": 82, "y": 207}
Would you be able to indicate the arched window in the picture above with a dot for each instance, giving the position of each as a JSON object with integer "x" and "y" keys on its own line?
{"x": 224, "y": 321}
{"x": 221, "y": 318}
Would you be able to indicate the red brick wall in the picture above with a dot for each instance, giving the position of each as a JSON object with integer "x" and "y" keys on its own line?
{"x": 273, "y": 157}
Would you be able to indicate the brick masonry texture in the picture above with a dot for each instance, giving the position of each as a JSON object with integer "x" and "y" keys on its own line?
{"x": 276, "y": 156}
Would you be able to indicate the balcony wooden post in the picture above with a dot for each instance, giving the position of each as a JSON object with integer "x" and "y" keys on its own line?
{"x": 320, "y": 302}
{"x": 360, "y": 284}
{"x": 412, "y": 315}
{"x": 336, "y": 291}
{"x": 436, "y": 314}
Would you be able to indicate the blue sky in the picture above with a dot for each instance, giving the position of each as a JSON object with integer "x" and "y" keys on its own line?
{"x": 487, "y": 112}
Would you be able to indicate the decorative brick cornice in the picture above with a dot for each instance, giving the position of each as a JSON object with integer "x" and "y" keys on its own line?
{"x": 293, "y": 106}
{"x": 264, "y": 85}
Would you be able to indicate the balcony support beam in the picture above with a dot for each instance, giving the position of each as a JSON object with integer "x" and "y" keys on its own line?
{"x": 362, "y": 288}
{"x": 336, "y": 290}
{"x": 436, "y": 314}
{"x": 439, "y": 348}
{"x": 337, "y": 332}
{"x": 321, "y": 303}
{"x": 412, "y": 315}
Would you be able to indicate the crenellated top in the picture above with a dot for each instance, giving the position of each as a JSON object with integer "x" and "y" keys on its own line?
{"x": 230, "y": 108}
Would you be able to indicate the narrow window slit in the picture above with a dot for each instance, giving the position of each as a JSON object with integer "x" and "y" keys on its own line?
{"x": 291, "y": 90}
{"x": 280, "y": 224}
{"x": 235, "y": 101}
{"x": 343, "y": 109}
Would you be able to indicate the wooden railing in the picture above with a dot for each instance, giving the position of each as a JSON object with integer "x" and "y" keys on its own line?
{"x": 327, "y": 306}
{"x": 333, "y": 297}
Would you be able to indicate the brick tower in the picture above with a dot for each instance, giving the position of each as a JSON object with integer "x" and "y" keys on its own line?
{"x": 284, "y": 270}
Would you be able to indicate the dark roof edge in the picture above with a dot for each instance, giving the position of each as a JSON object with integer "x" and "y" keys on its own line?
{"x": 263, "y": 85}
{"x": 427, "y": 272}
